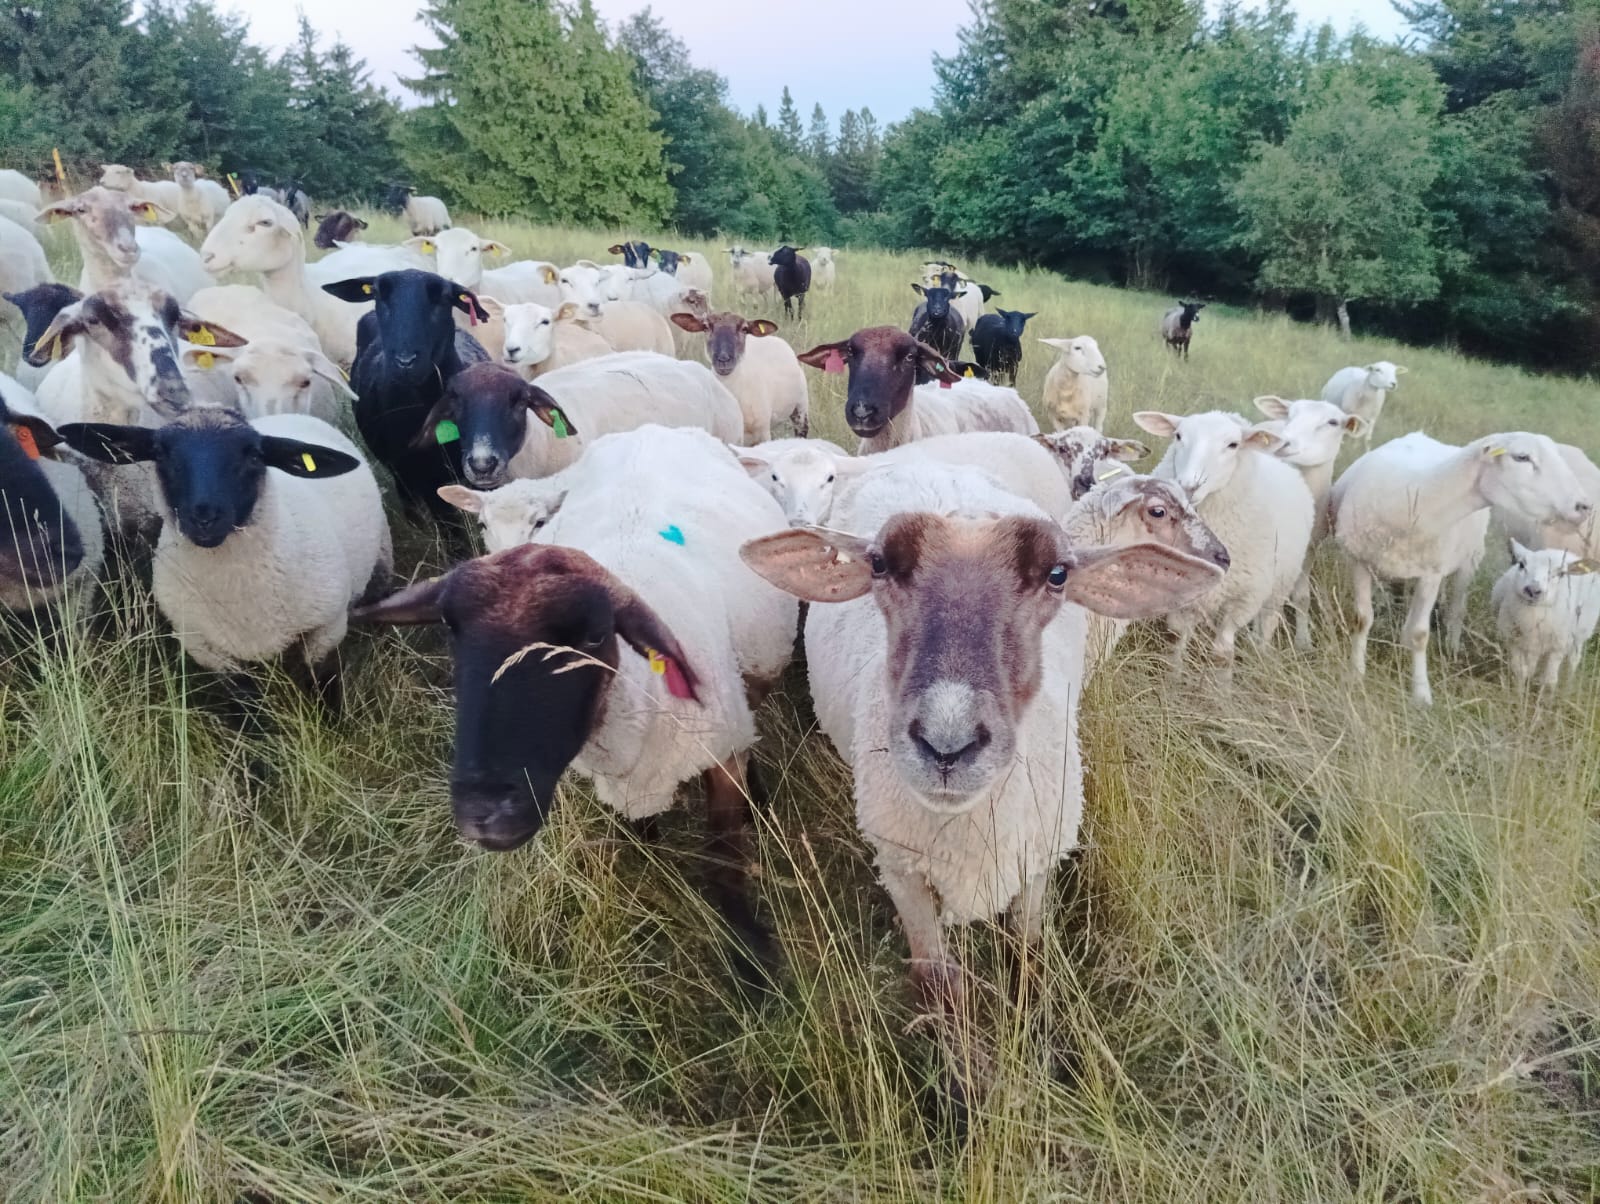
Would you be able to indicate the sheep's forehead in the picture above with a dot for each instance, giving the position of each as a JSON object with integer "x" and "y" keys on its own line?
{"x": 1309, "y": 413}
{"x": 803, "y": 462}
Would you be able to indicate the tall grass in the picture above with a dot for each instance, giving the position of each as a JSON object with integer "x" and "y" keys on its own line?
{"x": 1318, "y": 945}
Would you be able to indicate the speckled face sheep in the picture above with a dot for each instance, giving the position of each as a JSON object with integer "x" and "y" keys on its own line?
{"x": 39, "y": 545}
{"x": 1088, "y": 457}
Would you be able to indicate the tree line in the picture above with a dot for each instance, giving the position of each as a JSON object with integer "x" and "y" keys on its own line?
{"x": 1441, "y": 188}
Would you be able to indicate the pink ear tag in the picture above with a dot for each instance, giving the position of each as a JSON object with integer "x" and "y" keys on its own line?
{"x": 834, "y": 362}
{"x": 664, "y": 666}
{"x": 472, "y": 310}
{"x": 945, "y": 384}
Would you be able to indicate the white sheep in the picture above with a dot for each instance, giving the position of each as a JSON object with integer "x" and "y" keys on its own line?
{"x": 201, "y": 203}
{"x": 267, "y": 555}
{"x": 114, "y": 251}
{"x": 967, "y": 405}
{"x": 539, "y": 339}
{"x": 798, "y": 473}
{"x": 823, "y": 267}
{"x": 423, "y": 214}
{"x": 458, "y": 254}
{"x": 1076, "y": 387}
{"x": 14, "y": 186}
{"x": 1546, "y": 606}
{"x": 1583, "y": 540}
{"x": 945, "y": 645}
{"x": 118, "y": 178}
{"x": 690, "y": 269}
{"x": 25, "y": 216}
{"x": 1415, "y": 509}
{"x": 1258, "y": 506}
{"x": 1363, "y": 390}
{"x": 628, "y": 325}
{"x": 1312, "y": 432}
{"x": 22, "y": 261}
{"x": 758, "y": 368}
{"x": 752, "y": 274}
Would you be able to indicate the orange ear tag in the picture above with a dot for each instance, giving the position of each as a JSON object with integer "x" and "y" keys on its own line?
{"x": 25, "y": 438}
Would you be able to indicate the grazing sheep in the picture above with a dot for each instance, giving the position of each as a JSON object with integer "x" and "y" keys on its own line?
{"x": 487, "y": 406}
{"x": 1087, "y": 457}
{"x": 997, "y": 343}
{"x": 791, "y": 276}
{"x": 51, "y": 542}
{"x": 410, "y": 348}
{"x": 953, "y": 690}
{"x": 14, "y": 186}
{"x": 272, "y": 530}
{"x": 458, "y": 255}
{"x": 1258, "y": 506}
{"x": 539, "y": 339}
{"x": 39, "y": 305}
{"x": 935, "y": 323}
{"x": 764, "y": 375}
{"x": 1546, "y": 606}
{"x": 1363, "y": 391}
{"x": 691, "y": 270}
{"x": 1415, "y": 509}
{"x": 118, "y": 178}
{"x": 753, "y": 273}
{"x": 201, "y": 203}
{"x": 1583, "y": 540}
{"x": 1312, "y": 432}
{"x": 1177, "y": 325}
{"x": 655, "y": 637}
{"x": 1076, "y": 387}
{"x": 891, "y": 398}
{"x": 336, "y": 227}
{"x": 114, "y": 251}
{"x": 423, "y": 214}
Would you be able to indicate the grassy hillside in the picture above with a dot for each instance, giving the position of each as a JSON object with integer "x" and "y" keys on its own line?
{"x": 1318, "y": 945}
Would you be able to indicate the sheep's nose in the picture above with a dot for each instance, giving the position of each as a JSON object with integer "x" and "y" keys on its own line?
{"x": 513, "y": 352}
{"x": 946, "y": 759}
{"x": 1221, "y": 558}
{"x": 483, "y": 464}
{"x": 1584, "y": 507}
{"x": 406, "y": 359}
{"x": 1533, "y": 592}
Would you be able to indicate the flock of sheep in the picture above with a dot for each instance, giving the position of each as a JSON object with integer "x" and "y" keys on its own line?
{"x": 650, "y": 540}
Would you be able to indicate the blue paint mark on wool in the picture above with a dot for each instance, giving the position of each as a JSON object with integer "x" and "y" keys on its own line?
{"x": 672, "y": 535}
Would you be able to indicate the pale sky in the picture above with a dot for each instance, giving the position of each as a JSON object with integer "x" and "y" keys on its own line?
{"x": 844, "y": 53}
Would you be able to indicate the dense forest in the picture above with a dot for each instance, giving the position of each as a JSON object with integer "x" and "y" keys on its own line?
{"x": 1443, "y": 188}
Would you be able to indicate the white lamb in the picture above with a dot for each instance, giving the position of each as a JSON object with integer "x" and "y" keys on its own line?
{"x": 1417, "y": 510}
{"x": 946, "y": 662}
{"x": 268, "y": 557}
{"x": 1076, "y": 387}
{"x": 1363, "y": 390}
{"x": 425, "y": 214}
{"x": 22, "y": 261}
{"x": 458, "y": 254}
{"x": 539, "y": 339}
{"x": 201, "y": 203}
{"x": 758, "y": 368}
{"x": 1258, "y": 506}
{"x": 1312, "y": 432}
{"x": 114, "y": 251}
{"x": 1546, "y": 607}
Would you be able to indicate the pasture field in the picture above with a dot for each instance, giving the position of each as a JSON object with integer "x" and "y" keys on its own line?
{"x": 1318, "y": 945}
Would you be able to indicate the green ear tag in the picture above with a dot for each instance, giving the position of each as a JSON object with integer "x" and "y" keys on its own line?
{"x": 447, "y": 432}
{"x": 559, "y": 425}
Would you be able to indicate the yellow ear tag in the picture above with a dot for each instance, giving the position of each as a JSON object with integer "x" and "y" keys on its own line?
{"x": 205, "y": 359}
{"x": 202, "y": 335}
{"x": 1497, "y": 451}
{"x": 427, "y": 248}
{"x": 967, "y": 373}
{"x": 305, "y": 458}
{"x": 658, "y": 664}
{"x": 367, "y": 288}
{"x": 1109, "y": 473}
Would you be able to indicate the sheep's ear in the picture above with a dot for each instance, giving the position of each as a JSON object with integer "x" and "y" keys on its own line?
{"x": 931, "y": 366}
{"x": 62, "y": 211}
{"x": 491, "y": 306}
{"x": 110, "y": 444}
{"x": 686, "y": 322}
{"x": 150, "y": 213}
{"x": 359, "y": 222}
{"x": 917, "y": 288}
{"x": 1137, "y": 581}
{"x": 56, "y": 341}
{"x": 1261, "y": 439}
{"x": 310, "y": 461}
{"x": 685, "y": 257}
{"x": 1518, "y": 552}
{"x": 1400, "y": 371}
{"x": 1272, "y": 406}
{"x": 422, "y": 245}
{"x": 496, "y": 248}
{"x": 468, "y": 501}
{"x": 545, "y": 408}
{"x": 1128, "y": 450}
{"x": 357, "y": 289}
{"x": 614, "y": 249}
{"x": 322, "y": 366}
{"x": 1058, "y": 344}
{"x": 756, "y": 466}
{"x": 467, "y": 303}
{"x": 567, "y": 312}
{"x": 812, "y": 563}
{"x": 205, "y": 359}
{"x": 1581, "y": 568}
{"x": 827, "y": 357}
{"x": 761, "y": 328}
{"x": 647, "y": 635}
{"x": 44, "y": 437}
{"x": 1358, "y": 425}
{"x": 1163, "y": 425}
{"x": 206, "y": 334}
{"x": 415, "y": 604}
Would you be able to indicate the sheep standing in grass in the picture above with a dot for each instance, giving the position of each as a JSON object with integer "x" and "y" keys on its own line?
{"x": 752, "y": 274}
{"x": 627, "y": 325}
{"x": 201, "y": 203}
{"x": 272, "y": 530}
{"x": 690, "y": 270}
{"x": 1363, "y": 390}
{"x": 945, "y": 644}
{"x": 1417, "y": 510}
{"x": 758, "y": 368}
{"x": 823, "y": 268}
{"x": 1312, "y": 432}
{"x": 997, "y": 343}
{"x": 626, "y": 642}
{"x": 1258, "y": 506}
{"x": 1076, "y": 387}
{"x": 1546, "y": 607}
{"x": 165, "y": 193}
{"x": 1177, "y": 325}
{"x": 423, "y": 214}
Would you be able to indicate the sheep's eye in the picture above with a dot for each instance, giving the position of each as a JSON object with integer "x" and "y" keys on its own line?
{"x": 1177, "y": 436}
{"x": 1333, "y": 422}
{"x": 774, "y": 476}
{"x": 1057, "y": 577}
{"x": 1158, "y": 512}
{"x": 878, "y": 564}
{"x": 303, "y": 384}
{"x": 1522, "y": 457}
{"x": 1234, "y": 446}
{"x": 546, "y": 322}
{"x": 539, "y": 522}
{"x": 829, "y": 481}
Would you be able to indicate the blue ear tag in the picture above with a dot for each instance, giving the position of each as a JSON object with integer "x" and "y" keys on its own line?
{"x": 447, "y": 432}
{"x": 672, "y": 535}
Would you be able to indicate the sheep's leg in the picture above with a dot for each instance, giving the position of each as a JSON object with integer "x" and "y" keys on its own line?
{"x": 1268, "y": 624}
{"x": 755, "y": 953}
{"x": 1424, "y": 595}
{"x": 1222, "y": 653}
{"x": 934, "y": 972}
{"x": 1183, "y": 627}
{"x": 1300, "y": 599}
{"x": 1361, "y": 587}
{"x": 1027, "y": 913}
{"x": 1521, "y": 667}
{"x": 1552, "y": 671}
{"x": 1455, "y": 609}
